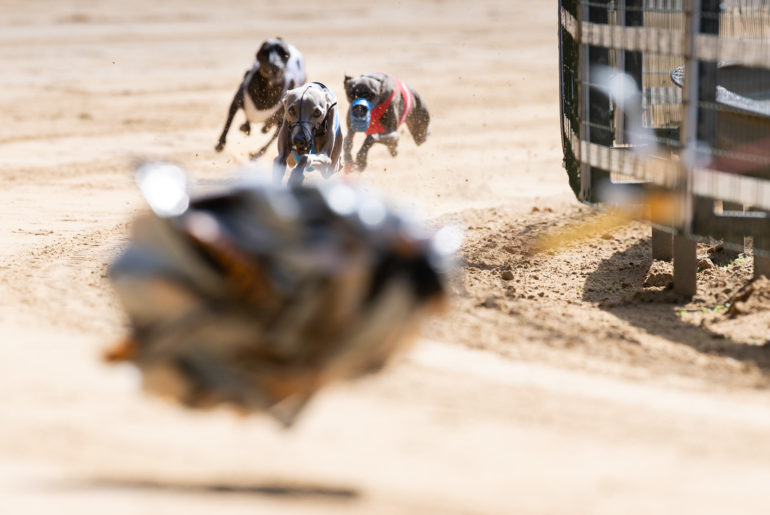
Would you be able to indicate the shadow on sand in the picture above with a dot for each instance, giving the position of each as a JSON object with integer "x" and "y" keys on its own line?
{"x": 277, "y": 489}
{"x": 618, "y": 286}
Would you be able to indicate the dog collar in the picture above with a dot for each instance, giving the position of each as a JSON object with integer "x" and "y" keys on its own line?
{"x": 361, "y": 123}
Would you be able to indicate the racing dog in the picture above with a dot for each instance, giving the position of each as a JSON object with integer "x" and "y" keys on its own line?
{"x": 278, "y": 68}
{"x": 310, "y": 135}
{"x": 379, "y": 104}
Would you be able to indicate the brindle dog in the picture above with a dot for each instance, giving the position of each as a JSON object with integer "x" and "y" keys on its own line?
{"x": 379, "y": 104}
{"x": 278, "y": 68}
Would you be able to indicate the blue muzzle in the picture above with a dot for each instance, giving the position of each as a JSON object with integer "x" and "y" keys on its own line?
{"x": 360, "y": 114}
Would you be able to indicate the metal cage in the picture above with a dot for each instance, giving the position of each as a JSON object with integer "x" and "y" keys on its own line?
{"x": 665, "y": 105}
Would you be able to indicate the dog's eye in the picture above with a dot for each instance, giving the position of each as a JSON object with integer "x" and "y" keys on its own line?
{"x": 292, "y": 111}
{"x": 317, "y": 112}
{"x": 285, "y": 56}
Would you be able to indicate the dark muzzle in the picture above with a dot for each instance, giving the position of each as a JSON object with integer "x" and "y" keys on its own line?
{"x": 302, "y": 138}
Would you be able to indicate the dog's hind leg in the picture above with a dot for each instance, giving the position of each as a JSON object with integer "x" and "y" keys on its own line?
{"x": 245, "y": 128}
{"x": 418, "y": 120}
{"x": 274, "y": 119}
{"x": 390, "y": 140}
{"x": 261, "y": 152}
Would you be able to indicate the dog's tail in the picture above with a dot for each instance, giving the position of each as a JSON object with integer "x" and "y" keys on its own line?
{"x": 418, "y": 120}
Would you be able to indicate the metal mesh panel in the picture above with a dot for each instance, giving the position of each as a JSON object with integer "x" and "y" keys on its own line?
{"x": 662, "y": 100}
{"x": 671, "y": 96}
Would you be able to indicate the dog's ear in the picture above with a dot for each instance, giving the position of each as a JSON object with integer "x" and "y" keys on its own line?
{"x": 348, "y": 86}
{"x": 376, "y": 86}
{"x": 289, "y": 98}
{"x": 262, "y": 50}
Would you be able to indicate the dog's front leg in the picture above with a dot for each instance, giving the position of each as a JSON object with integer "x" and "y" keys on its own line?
{"x": 321, "y": 163}
{"x": 347, "y": 147}
{"x": 236, "y": 104}
{"x": 297, "y": 176}
{"x": 279, "y": 169}
{"x": 284, "y": 149}
{"x": 363, "y": 152}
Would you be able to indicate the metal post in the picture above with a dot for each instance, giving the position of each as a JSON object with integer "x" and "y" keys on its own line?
{"x": 620, "y": 64}
{"x": 735, "y": 240}
{"x": 584, "y": 130}
{"x": 595, "y": 104}
{"x": 761, "y": 263}
{"x": 662, "y": 243}
{"x": 701, "y": 17}
{"x": 685, "y": 265}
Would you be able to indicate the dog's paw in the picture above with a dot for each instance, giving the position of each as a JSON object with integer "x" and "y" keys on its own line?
{"x": 327, "y": 171}
{"x": 220, "y": 146}
{"x": 393, "y": 152}
{"x": 266, "y": 128}
{"x": 246, "y": 128}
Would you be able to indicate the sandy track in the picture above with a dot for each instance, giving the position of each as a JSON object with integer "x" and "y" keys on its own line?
{"x": 568, "y": 387}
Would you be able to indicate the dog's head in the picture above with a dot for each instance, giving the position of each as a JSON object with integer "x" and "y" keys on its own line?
{"x": 305, "y": 112}
{"x": 368, "y": 86}
{"x": 363, "y": 92}
{"x": 273, "y": 56}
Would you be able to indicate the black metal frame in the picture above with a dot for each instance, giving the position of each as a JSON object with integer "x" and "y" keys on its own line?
{"x": 595, "y": 138}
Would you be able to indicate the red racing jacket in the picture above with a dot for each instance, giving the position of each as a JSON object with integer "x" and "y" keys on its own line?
{"x": 375, "y": 126}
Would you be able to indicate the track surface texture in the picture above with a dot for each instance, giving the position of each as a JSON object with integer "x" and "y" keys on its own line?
{"x": 565, "y": 379}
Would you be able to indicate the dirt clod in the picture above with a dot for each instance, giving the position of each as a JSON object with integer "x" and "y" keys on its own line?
{"x": 753, "y": 298}
{"x": 704, "y": 263}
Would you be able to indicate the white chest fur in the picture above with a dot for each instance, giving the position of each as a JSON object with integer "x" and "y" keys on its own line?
{"x": 253, "y": 114}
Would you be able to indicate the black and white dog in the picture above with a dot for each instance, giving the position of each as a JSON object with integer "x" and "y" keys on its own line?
{"x": 278, "y": 68}
{"x": 310, "y": 136}
{"x": 379, "y": 104}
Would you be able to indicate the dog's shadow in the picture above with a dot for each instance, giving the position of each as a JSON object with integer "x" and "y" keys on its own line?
{"x": 618, "y": 286}
{"x": 289, "y": 490}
